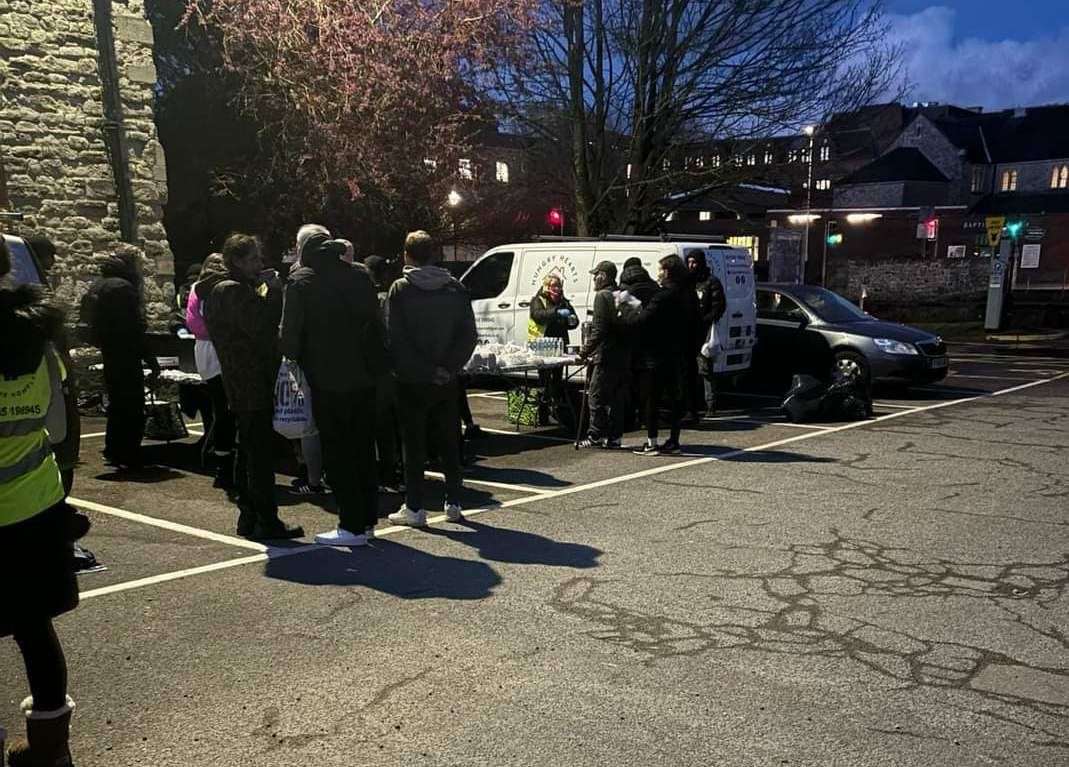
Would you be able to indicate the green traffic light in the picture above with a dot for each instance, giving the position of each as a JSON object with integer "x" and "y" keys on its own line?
{"x": 835, "y": 239}
{"x": 1014, "y": 228}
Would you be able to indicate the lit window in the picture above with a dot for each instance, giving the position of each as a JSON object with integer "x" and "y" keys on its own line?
{"x": 737, "y": 160}
{"x": 751, "y": 159}
{"x": 716, "y": 161}
{"x": 824, "y": 184}
{"x": 629, "y": 170}
{"x": 666, "y": 164}
{"x": 699, "y": 162}
{"x": 501, "y": 172}
{"x": 464, "y": 168}
{"x": 804, "y": 155}
{"x": 768, "y": 157}
{"x": 688, "y": 162}
{"x": 430, "y": 164}
{"x": 704, "y": 215}
{"x": 792, "y": 155}
{"x": 670, "y": 217}
{"x": 752, "y": 244}
{"x": 825, "y": 152}
{"x": 977, "y": 184}
{"x": 1059, "y": 177}
{"x": 1009, "y": 181}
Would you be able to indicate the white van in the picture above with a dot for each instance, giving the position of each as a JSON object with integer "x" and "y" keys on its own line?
{"x": 505, "y": 279}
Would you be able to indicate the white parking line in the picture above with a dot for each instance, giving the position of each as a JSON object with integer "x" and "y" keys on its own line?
{"x": 104, "y": 433}
{"x": 955, "y": 374}
{"x": 487, "y": 483}
{"x": 541, "y": 496}
{"x": 549, "y": 437}
{"x": 733, "y": 419}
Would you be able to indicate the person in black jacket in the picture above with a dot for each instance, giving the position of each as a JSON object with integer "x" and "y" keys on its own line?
{"x": 607, "y": 357}
{"x": 118, "y": 328}
{"x": 712, "y": 303}
{"x": 664, "y": 323}
{"x": 432, "y": 335}
{"x": 332, "y": 327}
{"x": 637, "y": 282}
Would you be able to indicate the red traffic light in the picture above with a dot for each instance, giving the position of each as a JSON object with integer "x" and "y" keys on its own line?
{"x": 555, "y": 217}
{"x": 931, "y": 228}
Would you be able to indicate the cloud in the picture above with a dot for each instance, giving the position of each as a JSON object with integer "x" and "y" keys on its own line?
{"x": 975, "y": 72}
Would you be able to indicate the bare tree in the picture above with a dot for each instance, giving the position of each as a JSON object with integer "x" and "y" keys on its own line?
{"x": 623, "y": 84}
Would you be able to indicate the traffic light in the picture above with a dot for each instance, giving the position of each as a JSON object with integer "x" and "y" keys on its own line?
{"x": 1013, "y": 228}
{"x": 931, "y": 228}
{"x": 835, "y": 237}
{"x": 555, "y": 218}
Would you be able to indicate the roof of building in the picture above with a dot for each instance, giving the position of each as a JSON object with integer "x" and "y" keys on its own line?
{"x": 901, "y": 164}
{"x": 1013, "y": 204}
{"x": 1012, "y": 135}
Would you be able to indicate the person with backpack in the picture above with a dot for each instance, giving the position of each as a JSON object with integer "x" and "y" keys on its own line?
{"x": 37, "y": 527}
{"x": 331, "y": 326}
{"x": 117, "y": 326}
{"x": 432, "y": 335}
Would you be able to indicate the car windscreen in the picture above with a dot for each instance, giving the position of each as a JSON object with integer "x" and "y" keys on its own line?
{"x": 23, "y": 267}
{"x": 830, "y": 307}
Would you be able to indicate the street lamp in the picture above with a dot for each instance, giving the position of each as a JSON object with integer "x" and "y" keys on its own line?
{"x": 809, "y": 130}
{"x": 454, "y": 199}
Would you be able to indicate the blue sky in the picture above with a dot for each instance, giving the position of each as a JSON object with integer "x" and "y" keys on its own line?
{"x": 991, "y": 53}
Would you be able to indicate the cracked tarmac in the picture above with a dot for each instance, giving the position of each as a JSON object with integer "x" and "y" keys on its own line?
{"x": 894, "y": 594}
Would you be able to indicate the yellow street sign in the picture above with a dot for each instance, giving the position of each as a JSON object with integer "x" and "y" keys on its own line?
{"x": 994, "y": 229}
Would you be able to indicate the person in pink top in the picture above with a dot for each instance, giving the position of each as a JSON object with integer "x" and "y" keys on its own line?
{"x": 219, "y": 425}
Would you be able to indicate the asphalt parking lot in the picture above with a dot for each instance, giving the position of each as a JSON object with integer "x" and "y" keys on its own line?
{"x": 891, "y": 592}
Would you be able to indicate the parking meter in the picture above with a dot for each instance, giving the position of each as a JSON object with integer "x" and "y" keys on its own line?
{"x": 998, "y": 284}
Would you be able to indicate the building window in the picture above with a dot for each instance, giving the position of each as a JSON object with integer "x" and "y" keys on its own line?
{"x": 769, "y": 159}
{"x": 1009, "y": 181}
{"x": 737, "y": 159}
{"x": 751, "y": 159}
{"x": 752, "y": 244}
{"x": 825, "y": 152}
{"x": 704, "y": 215}
{"x": 501, "y": 171}
{"x": 629, "y": 170}
{"x": 716, "y": 161}
{"x": 823, "y": 184}
{"x": 1059, "y": 177}
{"x": 430, "y": 164}
{"x": 666, "y": 164}
{"x": 464, "y": 168}
{"x": 792, "y": 155}
{"x": 977, "y": 184}
{"x": 804, "y": 154}
{"x": 670, "y": 217}
{"x": 699, "y": 162}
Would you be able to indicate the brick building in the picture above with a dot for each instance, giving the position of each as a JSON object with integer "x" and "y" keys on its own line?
{"x": 79, "y": 154}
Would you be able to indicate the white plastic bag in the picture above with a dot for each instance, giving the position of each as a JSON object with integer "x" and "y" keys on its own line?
{"x": 293, "y": 403}
{"x": 711, "y": 348}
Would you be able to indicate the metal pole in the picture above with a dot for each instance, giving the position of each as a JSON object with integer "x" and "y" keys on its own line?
{"x": 808, "y": 207}
{"x": 454, "y": 237}
{"x": 824, "y": 259}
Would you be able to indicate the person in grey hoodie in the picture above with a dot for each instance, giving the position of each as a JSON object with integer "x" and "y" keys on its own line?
{"x": 431, "y": 329}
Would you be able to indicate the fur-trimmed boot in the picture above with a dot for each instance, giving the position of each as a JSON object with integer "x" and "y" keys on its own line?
{"x": 48, "y": 734}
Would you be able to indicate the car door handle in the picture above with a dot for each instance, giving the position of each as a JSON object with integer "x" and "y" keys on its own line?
{"x": 503, "y": 306}
{"x": 525, "y": 304}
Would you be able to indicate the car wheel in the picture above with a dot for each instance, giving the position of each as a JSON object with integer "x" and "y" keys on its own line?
{"x": 852, "y": 365}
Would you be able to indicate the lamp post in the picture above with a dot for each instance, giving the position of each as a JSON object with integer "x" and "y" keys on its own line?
{"x": 809, "y": 130}
{"x": 454, "y": 199}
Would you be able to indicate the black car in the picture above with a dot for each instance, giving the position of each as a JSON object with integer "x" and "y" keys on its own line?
{"x": 808, "y": 329}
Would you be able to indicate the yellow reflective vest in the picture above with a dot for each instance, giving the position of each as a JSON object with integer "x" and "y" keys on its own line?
{"x": 29, "y": 475}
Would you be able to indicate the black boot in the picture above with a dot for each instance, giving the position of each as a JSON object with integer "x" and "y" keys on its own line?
{"x": 48, "y": 738}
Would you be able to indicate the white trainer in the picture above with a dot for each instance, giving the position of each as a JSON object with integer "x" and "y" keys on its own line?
{"x": 405, "y": 516}
{"x": 341, "y": 537}
{"x": 452, "y": 512}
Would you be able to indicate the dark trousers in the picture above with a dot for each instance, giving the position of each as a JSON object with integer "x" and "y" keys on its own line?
{"x": 124, "y": 381}
{"x": 429, "y": 413}
{"x": 254, "y": 473}
{"x": 607, "y": 393}
{"x": 387, "y": 429}
{"x": 695, "y": 391}
{"x": 664, "y": 381}
{"x": 46, "y": 667}
{"x": 219, "y": 427}
{"x": 346, "y": 422}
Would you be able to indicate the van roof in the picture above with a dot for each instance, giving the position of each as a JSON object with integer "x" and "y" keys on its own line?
{"x": 617, "y": 245}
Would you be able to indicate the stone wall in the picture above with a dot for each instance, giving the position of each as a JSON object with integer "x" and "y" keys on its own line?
{"x": 52, "y": 140}
{"x": 919, "y": 285}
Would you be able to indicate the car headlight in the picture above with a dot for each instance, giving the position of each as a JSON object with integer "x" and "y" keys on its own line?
{"x": 890, "y": 346}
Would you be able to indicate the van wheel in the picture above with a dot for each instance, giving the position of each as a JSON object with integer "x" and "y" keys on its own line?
{"x": 852, "y": 365}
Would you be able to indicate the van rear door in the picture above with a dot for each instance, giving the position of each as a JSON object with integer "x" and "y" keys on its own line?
{"x": 492, "y": 285}
{"x": 736, "y": 329}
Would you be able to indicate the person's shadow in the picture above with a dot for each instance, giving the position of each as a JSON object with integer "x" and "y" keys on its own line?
{"x": 500, "y": 544}
{"x": 391, "y": 568}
